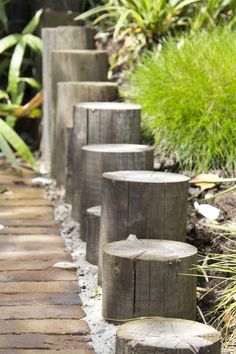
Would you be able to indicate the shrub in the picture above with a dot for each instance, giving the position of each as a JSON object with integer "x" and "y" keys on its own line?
{"x": 188, "y": 94}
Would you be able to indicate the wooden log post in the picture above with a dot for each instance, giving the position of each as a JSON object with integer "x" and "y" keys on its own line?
{"x": 158, "y": 335}
{"x": 143, "y": 203}
{"x": 69, "y": 94}
{"x": 92, "y": 233}
{"x": 68, "y": 37}
{"x": 97, "y": 159}
{"x": 148, "y": 278}
{"x": 101, "y": 123}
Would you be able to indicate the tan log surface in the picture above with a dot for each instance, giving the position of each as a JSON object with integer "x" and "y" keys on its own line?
{"x": 101, "y": 123}
{"x": 40, "y": 307}
{"x": 148, "y": 278}
{"x": 160, "y": 335}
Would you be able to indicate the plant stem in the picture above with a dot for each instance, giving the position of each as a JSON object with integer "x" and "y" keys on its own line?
{"x": 219, "y": 194}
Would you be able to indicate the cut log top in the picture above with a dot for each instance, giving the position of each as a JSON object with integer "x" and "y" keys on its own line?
{"x": 112, "y": 106}
{"x": 146, "y": 177}
{"x": 150, "y": 249}
{"x": 79, "y": 51}
{"x": 162, "y": 332}
{"x": 96, "y": 210}
{"x": 117, "y": 148}
{"x": 87, "y": 83}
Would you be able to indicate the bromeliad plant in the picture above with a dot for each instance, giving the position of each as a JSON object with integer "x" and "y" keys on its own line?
{"x": 140, "y": 24}
{"x": 15, "y": 50}
{"x": 137, "y": 25}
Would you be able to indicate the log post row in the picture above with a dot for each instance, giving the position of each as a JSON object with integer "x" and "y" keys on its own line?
{"x": 64, "y": 37}
{"x": 75, "y": 65}
{"x": 101, "y": 123}
{"x": 97, "y": 159}
{"x": 69, "y": 94}
{"x": 148, "y": 278}
{"x": 93, "y": 216}
{"x": 159, "y": 335}
{"x": 144, "y": 203}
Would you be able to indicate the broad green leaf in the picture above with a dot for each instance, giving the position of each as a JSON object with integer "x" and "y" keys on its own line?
{"x": 14, "y": 70}
{"x": 8, "y": 42}
{"x": 8, "y": 152}
{"x": 3, "y": 15}
{"x": 35, "y": 43}
{"x": 3, "y": 95}
{"x": 8, "y": 108}
{"x": 95, "y": 11}
{"x": 16, "y": 142}
{"x": 32, "y": 82}
{"x": 11, "y": 121}
{"x": 33, "y": 24}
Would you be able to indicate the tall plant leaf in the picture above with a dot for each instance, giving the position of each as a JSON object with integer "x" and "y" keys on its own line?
{"x": 8, "y": 152}
{"x": 14, "y": 70}
{"x": 16, "y": 142}
{"x": 8, "y": 42}
{"x": 32, "y": 25}
{"x": 35, "y": 43}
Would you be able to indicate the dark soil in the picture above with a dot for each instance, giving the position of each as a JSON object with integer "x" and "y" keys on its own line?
{"x": 210, "y": 240}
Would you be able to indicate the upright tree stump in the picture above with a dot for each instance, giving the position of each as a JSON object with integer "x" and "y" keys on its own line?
{"x": 148, "y": 278}
{"x": 144, "y": 203}
{"x": 75, "y": 65}
{"x": 101, "y": 123}
{"x": 158, "y": 335}
{"x": 69, "y": 94}
{"x": 93, "y": 216}
{"x": 97, "y": 159}
{"x": 69, "y": 37}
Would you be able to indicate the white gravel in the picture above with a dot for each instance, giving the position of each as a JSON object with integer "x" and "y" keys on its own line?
{"x": 102, "y": 333}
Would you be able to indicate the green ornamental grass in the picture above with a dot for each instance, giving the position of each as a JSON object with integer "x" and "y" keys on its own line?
{"x": 188, "y": 94}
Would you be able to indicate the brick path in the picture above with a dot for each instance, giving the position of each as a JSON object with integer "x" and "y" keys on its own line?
{"x": 40, "y": 307}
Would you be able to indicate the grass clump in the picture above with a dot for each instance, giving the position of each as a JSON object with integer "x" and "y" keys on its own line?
{"x": 188, "y": 94}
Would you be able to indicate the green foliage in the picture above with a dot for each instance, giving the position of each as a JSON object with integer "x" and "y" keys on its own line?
{"x": 142, "y": 24}
{"x": 16, "y": 86}
{"x": 16, "y": 51}
{"x": 188, "y": 96}
{"x": 9, "y": 136}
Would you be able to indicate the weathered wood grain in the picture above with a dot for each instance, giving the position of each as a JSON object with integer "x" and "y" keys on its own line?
{"x": 97, "y": 159}
{"x": 74, "y": 65}
{"x": 147, "y": 204}
{"x": 93, "y": 234}
{"x": 74, "y": 327}
{"x": 43, "y": 341}
{"x": 144, "y": 278}
{"x": 41, "y": 287}
{"x": 38, "y": 275}
{"x": 101, "y": 123}
{"x": 41, "y": 312}
{"x": 69, "y": 37}
{"x": 168, "y": 336}
{"x": 30, "y": 231}
{"x": 69, "y": 94}
{"x": 35, "y": 299}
